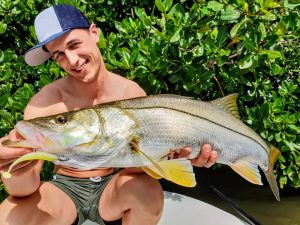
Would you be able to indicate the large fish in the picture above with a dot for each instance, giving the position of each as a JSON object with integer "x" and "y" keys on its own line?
{"x": 141, "y": 132}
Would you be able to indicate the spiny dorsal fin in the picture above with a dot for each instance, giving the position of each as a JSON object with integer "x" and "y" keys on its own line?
{"x": 228, "y": 103}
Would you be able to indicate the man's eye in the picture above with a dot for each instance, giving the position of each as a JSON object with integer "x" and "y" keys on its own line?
{"x": 57, "y": 56}
{"x": 74, "y": 45}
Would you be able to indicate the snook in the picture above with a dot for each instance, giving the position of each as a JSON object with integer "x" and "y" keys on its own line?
{"x": 142, "y": 131}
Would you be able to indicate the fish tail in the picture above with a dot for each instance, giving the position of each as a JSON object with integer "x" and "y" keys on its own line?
{"x": 274, "y": 155}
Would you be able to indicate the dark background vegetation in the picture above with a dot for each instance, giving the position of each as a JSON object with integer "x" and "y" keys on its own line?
{"x": 205, "y": 49}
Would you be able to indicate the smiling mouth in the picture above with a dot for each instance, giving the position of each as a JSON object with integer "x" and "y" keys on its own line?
{"x": 81, "y": 67}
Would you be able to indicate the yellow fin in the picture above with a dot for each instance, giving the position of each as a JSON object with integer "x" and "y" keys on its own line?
{"x": 151, "y": 172}
{"x": 247, "y": 170}
{"x": 179, "y": 171}
{"x": 154, "y": 170}
{"x": 30, "y": 156}
{"x": 273, "y": 156}
{"x": 228, "y": 103}
{"x": 18, "y": 144}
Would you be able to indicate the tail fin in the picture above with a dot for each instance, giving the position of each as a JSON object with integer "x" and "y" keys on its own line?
{"x": 274, "y": 155}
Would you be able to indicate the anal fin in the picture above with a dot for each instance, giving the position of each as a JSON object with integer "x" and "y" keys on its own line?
{"x": 247, "y": 170}
{"x": 179, "y": 171}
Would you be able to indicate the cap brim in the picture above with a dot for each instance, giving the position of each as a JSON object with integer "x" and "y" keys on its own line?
{"x": 37, "y": 55}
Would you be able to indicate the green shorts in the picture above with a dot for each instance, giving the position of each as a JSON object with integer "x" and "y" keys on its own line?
{"x": 85, "y": 193}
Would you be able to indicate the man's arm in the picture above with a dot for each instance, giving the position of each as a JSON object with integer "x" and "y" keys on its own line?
{"x": 26, "y": 176}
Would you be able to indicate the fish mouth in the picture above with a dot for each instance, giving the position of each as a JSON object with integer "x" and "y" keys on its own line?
{"x": 32, "y": 137}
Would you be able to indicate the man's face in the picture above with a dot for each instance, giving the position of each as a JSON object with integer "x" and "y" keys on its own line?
{"x": 78, "y": 54}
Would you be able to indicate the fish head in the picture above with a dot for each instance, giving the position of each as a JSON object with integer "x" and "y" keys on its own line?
{"x": 62, "y": 132}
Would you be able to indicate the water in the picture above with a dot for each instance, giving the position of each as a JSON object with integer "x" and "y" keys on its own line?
{"x": 258, "y": 201}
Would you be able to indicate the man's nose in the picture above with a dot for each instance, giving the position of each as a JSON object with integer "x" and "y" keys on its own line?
{"x": 72, "y": 58}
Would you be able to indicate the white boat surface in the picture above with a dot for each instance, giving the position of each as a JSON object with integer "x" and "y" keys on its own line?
{"x": 180, "y": 209}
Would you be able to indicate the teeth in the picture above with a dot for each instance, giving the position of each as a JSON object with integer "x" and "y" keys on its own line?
{"x": 81, "y": 67}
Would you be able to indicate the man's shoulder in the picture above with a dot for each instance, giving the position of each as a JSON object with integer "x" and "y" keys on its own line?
{"x": 129, "y": 88}
{"x": 46, "y": 101}
{"x": 48, "y": 95}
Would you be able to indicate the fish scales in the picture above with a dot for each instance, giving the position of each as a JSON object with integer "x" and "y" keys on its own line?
{"x": 164, "y": 129}
{"x": 202, "y": 109}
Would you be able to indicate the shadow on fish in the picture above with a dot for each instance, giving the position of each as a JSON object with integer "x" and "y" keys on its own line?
{"x": 141, "y": 132}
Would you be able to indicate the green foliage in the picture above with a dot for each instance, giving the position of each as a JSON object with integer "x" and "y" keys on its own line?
{"x": 198, "y": 48}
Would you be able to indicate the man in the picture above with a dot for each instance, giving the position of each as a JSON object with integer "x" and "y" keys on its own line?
{"x": 102, "y": 194}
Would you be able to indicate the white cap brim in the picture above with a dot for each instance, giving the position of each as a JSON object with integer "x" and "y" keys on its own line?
{"x": 36, "y": 56}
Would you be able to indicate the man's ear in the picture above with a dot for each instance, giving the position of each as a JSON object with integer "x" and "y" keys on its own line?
{"x": 94, "y": 32}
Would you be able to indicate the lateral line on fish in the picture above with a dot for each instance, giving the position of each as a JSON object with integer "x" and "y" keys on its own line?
{"x": 178, "y": 110}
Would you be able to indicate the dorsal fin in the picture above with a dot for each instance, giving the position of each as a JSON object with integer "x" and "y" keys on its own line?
{"x": 228, "y": 103}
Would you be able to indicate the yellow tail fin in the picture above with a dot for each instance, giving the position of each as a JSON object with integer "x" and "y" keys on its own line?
{"x": 274, "y": 155}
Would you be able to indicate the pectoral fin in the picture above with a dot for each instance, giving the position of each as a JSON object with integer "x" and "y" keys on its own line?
{"x": 152, "y": 172}
{"x": 179, "y": 171}
{"x": 30, "y": 156}
{"x": 247, "y": 170}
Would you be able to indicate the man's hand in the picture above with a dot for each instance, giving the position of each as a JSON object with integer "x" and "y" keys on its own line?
{"x": 9, "y": 155}
{"x": 206, "y": 158}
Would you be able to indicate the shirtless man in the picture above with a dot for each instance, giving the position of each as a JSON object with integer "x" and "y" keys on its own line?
{"x": 129, "y": 196}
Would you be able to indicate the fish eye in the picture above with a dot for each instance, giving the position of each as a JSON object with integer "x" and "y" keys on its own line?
{"x": 61, "y": 119}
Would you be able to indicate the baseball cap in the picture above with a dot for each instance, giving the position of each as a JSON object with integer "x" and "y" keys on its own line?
{"x": 50, "y": 24}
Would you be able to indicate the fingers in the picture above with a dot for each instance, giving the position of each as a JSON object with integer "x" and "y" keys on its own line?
{"x": 23, "y": 167}
{"x": 206, "y": 158}
{"x": 12, "y": 153}
{"x": 184, "y": 152}
{"x": 9, "y": 155}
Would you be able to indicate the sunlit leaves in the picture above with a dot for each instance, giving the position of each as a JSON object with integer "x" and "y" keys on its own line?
{"x": 215, "y": 6}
